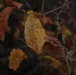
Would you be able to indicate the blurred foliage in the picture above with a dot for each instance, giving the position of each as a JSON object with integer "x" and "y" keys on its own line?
{"x": 58, "y": 54}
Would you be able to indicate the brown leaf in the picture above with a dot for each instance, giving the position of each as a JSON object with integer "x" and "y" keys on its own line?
{"x": 54, "y": 48}
{"x": 54, "y": 41}
{"x": 16, "y": 56}
{"x": 11, "y": 3}
{"x": 4, "y": 15}
{"x": 34, "y": 33}
{"x": 45, "y": 20}
{"x": 53, "y": 65}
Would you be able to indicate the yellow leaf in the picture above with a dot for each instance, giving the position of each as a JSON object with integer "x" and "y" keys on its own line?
{"x": 16, "y": 56}
{"x": 66, "y": 31}
{"x": 34, "y": 33}
{"x": 54, "y": 62}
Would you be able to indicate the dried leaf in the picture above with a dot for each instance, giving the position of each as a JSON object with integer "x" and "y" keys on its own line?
{"x": 13, "y": 3}
{"x": 52, "y": 61}
{"x": 45, "y": 20}
{"x": 16, "y": 56}
{"x": 54, "y": 41}
{"x": 53, "y": 48}
{"x": 53, "y": 65}
{"x": 34, "y": 33}
{"x": 4, "y": 15}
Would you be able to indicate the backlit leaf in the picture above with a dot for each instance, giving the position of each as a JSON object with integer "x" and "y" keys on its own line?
{"x": 34, "y": 33}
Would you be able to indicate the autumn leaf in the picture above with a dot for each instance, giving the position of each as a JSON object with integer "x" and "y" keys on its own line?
{"x": 63, "y": 29}
{"x": 54, "y": 41}
{"x": 54, "y": 51}
{"x": 34, "y": 33}
{"x": 45, "y": 20}
{"x": 11, "y": 3}
{"x": 52, "y": 61}
{"x": 53, "y": 47}
{"x": 4, "y": 15}
{"x": 66, "y": 31}
{"x": 16, "y": 56}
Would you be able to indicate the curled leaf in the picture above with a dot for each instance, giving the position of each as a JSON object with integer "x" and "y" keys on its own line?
{"x": 34, "y": 33}
{"x": 16, "y": 56}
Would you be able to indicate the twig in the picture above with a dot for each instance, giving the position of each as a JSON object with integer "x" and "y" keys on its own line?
{"x": 59, "y": 14}
{"x": 61, "y": 10}
{"x": 59, "y": 28}
{"x": 70, "y": 54}
{"x": 67, "y": 61}
{"x": 71, "y": 59}
{"x": 57, "y": 8}
{"x": 42, "y": 10}
{"x": 68, "y": 65}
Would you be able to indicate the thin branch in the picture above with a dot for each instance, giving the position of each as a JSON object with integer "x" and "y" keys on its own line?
{"x": 68, "y": 66}
{"x": 58, "y": 14}
{"x": 42, "y": 10}
{"x": 71, "y": 59}
{"x": 57, "y": 8}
